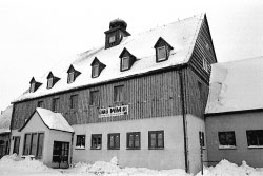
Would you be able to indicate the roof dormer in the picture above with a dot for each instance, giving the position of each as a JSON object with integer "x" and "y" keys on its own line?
{"x": 162, "y": 50}
{"x": 34, "y": 85}
{"x": 97, "y": 67}
{"x": 117, "y": 30}
{"x": 72, "y": 74}
{"x": 127, "y": 60}
{"x": 51, "y": 80}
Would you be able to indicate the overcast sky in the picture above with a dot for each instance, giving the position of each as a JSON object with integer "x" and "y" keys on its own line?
{"x": 36, "y": 34}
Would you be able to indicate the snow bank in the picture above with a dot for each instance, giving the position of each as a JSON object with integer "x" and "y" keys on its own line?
{"x": 226, "y": 168}
{"x": 17, "y": 163}
{"x": 112, "y": 169}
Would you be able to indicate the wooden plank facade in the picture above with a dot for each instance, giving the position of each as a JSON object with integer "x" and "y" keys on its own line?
{"x": 147, "y": 96}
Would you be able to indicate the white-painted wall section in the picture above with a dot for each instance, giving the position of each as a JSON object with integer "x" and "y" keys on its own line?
{"x": 171, "y": 157}
{"x": 194, "y": 125}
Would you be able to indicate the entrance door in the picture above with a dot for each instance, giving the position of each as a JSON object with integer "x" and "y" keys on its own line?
{"x": 60, "y": 153}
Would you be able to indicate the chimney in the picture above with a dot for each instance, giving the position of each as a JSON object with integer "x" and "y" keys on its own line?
{"x": 117, "y": 30}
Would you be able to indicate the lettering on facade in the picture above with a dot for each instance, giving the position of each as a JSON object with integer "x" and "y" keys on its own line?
{"x": 113, "y": 111}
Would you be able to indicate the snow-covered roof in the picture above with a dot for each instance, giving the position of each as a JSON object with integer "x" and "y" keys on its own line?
{"x": 236, "y": 86}
{"x": 5, "y": 119}
{"x": 53, "y": 121}
{"x": 181, "y": 35}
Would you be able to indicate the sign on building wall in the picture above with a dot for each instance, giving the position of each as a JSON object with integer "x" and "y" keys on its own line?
{"x": 113, "y": 111}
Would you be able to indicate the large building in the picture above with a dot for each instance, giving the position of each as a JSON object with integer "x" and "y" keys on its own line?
{"x": 138, "y": 97}
{"x": 234, "y": 112}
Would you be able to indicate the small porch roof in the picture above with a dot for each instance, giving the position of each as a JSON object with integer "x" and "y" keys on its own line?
{"x": 53, "y": 121}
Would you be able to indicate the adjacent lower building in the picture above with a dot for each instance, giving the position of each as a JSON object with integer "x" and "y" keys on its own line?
{"x": 234, "y": 112}
{"x": 5, "y": 130}
{"x": 139, "y": 97}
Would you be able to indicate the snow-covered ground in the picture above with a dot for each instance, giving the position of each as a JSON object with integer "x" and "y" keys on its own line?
{"x": 15, "y": 166}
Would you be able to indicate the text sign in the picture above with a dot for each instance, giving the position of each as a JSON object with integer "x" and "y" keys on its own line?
{"x": 113, "y": 111}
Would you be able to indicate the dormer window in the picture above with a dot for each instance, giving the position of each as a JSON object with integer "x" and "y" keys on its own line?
{"x": 70, "y": 77}
{"x": 51, "y": 80}
{"x": 72, "y": 74}
{"x": 95, "y": 70}
{"x": 97, "y": 67}
{"x": 161, "y": 53}
{"x": 127, "y": 60}
{"x": 34, "y": 85}
{"x": 162, "y": 50}
{"x": 125, "y": 63}
{"x": 49, "y": 83}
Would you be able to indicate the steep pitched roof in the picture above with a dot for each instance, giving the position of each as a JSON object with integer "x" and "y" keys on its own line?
{"x": 236, "y": 86}
{"x": 5, "y": 119}
{"x": 181, "y": 35}
{"x": 53, "y": 121}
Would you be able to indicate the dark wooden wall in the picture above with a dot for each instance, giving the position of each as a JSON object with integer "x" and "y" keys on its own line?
{"x": 149, "y": 96}
{"x": 204, "y": 48}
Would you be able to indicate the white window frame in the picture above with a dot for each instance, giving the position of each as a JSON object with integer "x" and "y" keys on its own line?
{"x": 158, "y": 51}
{"x": 50, "y": 83}
{"x": 205, "y": 65}
{"x": 95, "y": 71}
{"x": 33, "y": 87}
{"x": 124, "y": 67}
{"x": 71, "y": 77}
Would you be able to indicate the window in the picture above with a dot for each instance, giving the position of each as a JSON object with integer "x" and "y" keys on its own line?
{"x": 49, "y": 83}
{"x": 55, "y": 104}
{"x": 73, "y": 102}
{"x": 80, "y": 144}
{"x": 118, "y": 93}
{"x": 255, "y": 138}
{"x": 227, "y": 140}
{"x": 112, "y": 39}
{"x": 95, "y": 70}
{"x": 33, "y": 87}
{"x": 96, "y": 142}
{"x": 202, "y": 138}
{"x": 33, "y": 144}
{"x": 16, "y": 144}
{"x": 133, "y": 140}
{"x": 71, "y": 77}
{"x": 124, "y": 63}
{"x": 40, "y": 104}
{"x": 161, "y": 53}
{"x": 156, "y": 139}
{"x": 40, "y": 145}
{"x": 60, "y": 151}
{"x": 205, "y": 65}
{"x": 114, "y": 141}
{"x": 94, "y": 98}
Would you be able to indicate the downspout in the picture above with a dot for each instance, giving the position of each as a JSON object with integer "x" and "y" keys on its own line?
{"x": 184, "y": 121}
{"x": 11, "y": 126}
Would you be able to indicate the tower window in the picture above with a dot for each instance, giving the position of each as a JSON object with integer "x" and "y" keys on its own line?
{"x": 112, "y": 39}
